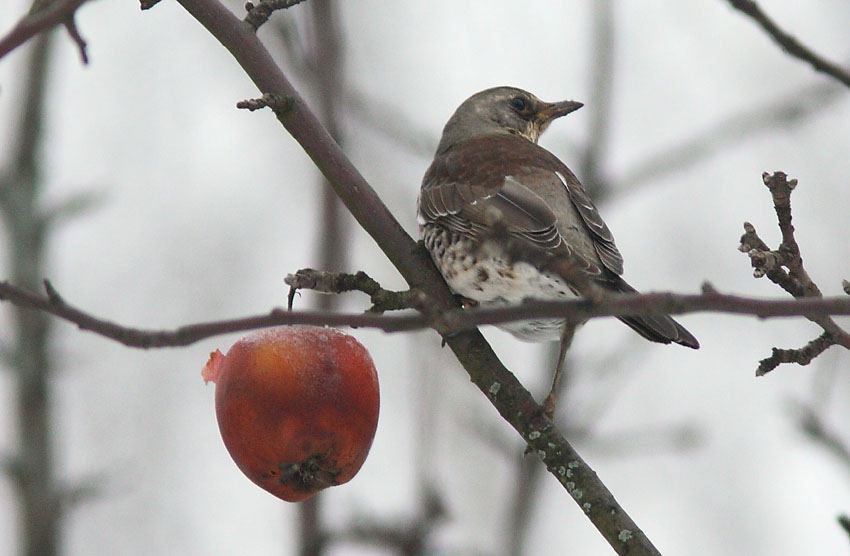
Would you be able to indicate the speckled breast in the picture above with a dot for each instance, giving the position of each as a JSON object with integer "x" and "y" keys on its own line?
{"x": 490, "y": 280}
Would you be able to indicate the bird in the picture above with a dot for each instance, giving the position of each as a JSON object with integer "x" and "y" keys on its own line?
{"x": 489, "y": 173}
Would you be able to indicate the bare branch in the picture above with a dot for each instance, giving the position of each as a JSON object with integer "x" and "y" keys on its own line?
{"x": 789, "y": 44}
{"x": 802, "y": 356}
{"x": 46, "y": 16}
{"x": 784, "y": 267}
{"x": 29, "y": 353}
{"x": 451, "y": 322}
{"x": 333, "y": 282}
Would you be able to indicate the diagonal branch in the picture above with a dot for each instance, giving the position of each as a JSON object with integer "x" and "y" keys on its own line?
{"x": 789, "y": 44}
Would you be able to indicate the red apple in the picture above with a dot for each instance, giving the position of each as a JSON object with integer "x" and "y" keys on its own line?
{"x": 297, "y": 407}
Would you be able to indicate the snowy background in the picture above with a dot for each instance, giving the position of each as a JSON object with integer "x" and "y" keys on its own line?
{"x": 205, "y": 208}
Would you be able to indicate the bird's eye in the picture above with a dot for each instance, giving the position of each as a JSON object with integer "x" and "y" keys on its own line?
{"x": 518, "y": 103}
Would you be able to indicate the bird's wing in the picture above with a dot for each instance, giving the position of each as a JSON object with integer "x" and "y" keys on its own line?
{"x": 468, "y": 208}
{"x": 603, "y": 239}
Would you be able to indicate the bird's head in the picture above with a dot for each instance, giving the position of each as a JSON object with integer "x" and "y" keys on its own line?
{"x": 503, "y": 110}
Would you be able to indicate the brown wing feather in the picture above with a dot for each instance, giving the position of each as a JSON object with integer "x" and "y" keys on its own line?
{"x": 602, "y": 236}
{"x": 464, "y": 197}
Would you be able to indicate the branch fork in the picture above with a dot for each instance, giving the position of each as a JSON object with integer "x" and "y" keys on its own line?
{"x": 784, "y": 267}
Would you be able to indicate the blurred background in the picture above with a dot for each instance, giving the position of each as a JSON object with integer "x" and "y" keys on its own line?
{"x": 169, "y": 206}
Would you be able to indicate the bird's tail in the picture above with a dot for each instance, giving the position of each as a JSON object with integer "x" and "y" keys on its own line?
{"x": 657, "y": 328}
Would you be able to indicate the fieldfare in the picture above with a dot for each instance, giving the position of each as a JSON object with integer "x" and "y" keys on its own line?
{"x": 490, "y": 172}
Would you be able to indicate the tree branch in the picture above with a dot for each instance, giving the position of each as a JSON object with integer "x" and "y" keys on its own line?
{"x": 73, "y": 32}
{"x": 341, "y": 282}
{"x": 452, "y": 322}
{"x": 802, "y": 356}
{"x": 29, "y": 352}
{"x": 44, "y": 16}
{"x": 795, "y": 280}
{"x": 789, "y": 44}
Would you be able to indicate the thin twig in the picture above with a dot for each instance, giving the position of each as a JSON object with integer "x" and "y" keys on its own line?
{"x": 802, "y": 356}
{"x": 789, "y": 44}
{"x": 74, "y": 33}
{"x": 341, "y": 282}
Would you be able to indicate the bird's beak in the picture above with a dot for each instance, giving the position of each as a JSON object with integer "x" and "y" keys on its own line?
{"x": 556, "y": 110}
